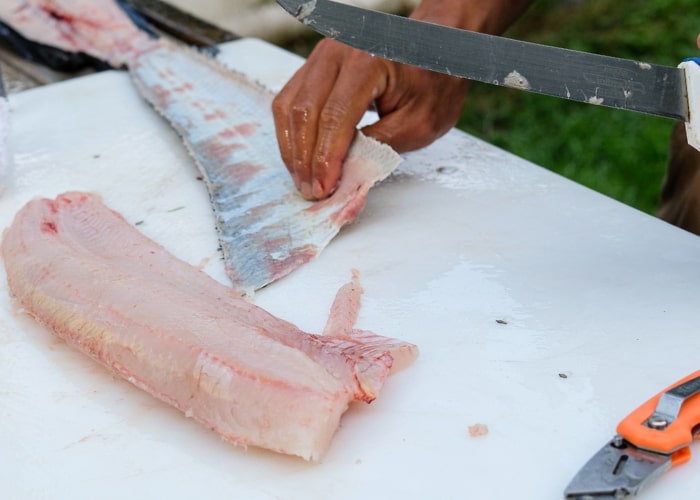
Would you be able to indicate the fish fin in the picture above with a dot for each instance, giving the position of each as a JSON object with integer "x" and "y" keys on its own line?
{"x": 374, "y": 356}
{"x": 402, "y": 353}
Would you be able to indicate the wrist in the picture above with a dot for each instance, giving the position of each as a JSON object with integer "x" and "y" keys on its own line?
{"x": 485, "y": 16}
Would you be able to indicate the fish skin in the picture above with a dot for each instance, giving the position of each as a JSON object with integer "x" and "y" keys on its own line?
{"x": 266, "y": 228}
{"x": 80, "y": 269}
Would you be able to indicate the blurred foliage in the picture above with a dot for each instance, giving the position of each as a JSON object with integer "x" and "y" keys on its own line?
{"x": 618, "y": 153}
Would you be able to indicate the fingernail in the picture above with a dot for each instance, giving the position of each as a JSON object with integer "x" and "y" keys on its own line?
{"x": 317, "y": 189}
{"x": 306, "y": 190}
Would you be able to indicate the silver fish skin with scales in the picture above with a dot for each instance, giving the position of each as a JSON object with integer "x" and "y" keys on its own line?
{"x": 266, "y": 229}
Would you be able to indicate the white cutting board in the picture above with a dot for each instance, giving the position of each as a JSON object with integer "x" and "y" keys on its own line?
{"x": 542, "y": 309}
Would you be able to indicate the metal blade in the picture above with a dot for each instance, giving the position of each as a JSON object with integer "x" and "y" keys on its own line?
{"x": 579, "y": 76}
{"x": 617, "y": 471}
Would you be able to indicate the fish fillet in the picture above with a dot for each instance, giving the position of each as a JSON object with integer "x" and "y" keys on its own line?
{"x": 79, "y": 268}
{"x": 266, "y": 229}
{"x": 99, "y": 28}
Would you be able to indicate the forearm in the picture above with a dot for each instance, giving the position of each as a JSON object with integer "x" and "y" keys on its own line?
{"x": 486, "y": 16}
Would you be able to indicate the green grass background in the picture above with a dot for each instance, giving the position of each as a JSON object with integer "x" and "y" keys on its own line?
{"x": 618, "y": 153}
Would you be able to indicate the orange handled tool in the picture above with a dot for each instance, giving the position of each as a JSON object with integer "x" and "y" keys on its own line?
{"x": 650, "y": 440}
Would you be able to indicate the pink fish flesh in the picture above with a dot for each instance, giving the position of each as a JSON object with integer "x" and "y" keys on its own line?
{"x": 80, "y": 269}
{"x": 99, "y": 28}
{"x": 266, "y": 229}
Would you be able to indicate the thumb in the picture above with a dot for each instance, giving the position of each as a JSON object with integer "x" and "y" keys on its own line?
{"x": 403, "y": 130}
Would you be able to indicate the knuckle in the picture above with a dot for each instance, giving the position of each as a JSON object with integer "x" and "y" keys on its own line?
{"x": 300, "y": 112}
{"x": 332, "y": 115}
{"x": 279, "y": 105}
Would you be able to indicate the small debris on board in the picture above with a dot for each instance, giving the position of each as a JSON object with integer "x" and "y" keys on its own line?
{"x": 477, "y": 430}
{"x": 445, "y": 170}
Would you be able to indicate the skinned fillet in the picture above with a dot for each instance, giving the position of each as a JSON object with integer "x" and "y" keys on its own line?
{"x": 80, "y": 269}
{"x": 99, "y": 28}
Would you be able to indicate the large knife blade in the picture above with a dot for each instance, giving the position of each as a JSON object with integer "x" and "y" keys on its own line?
{"x": 569, "y": 74}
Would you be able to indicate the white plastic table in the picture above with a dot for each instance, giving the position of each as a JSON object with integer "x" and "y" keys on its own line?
{"x": 542, "y": 309}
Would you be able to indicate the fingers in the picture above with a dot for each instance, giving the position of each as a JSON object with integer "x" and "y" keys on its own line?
{"x": 359, "y": 81}
{"x": 295, "y": 110}
{"x": 418, "y": 107}
{"x": 317, "y": 111}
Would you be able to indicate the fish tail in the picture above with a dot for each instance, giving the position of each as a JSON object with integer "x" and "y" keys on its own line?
{"x": 374, "y": 357}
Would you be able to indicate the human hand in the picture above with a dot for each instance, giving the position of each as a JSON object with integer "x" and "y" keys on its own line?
{"x": 317, "y": 112}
